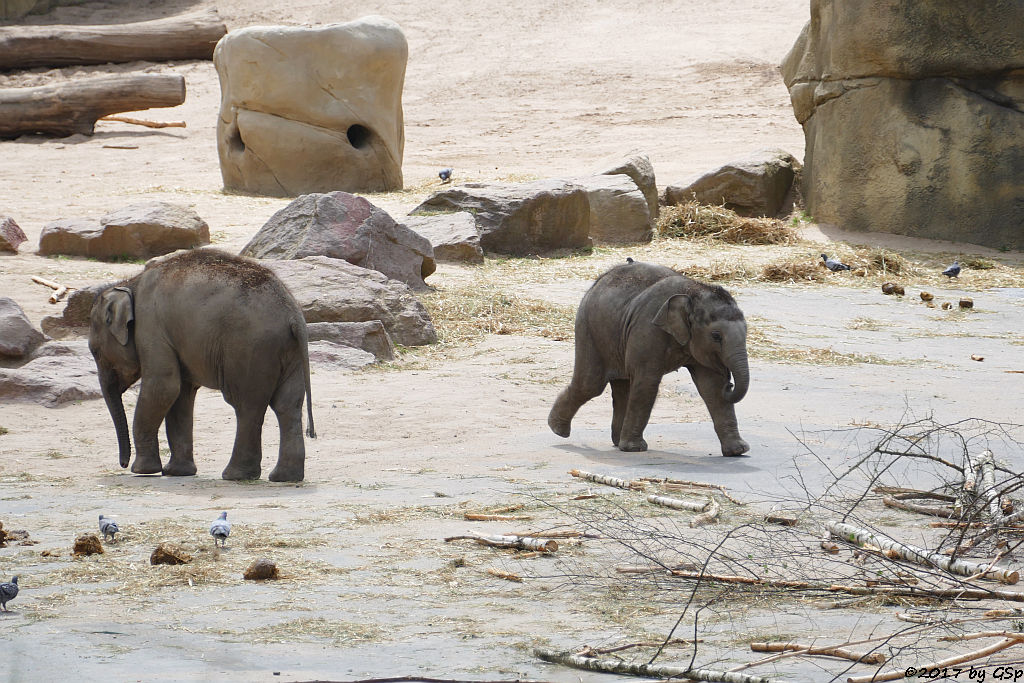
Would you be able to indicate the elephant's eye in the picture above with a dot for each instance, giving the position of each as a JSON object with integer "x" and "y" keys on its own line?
{"x": 717, "y": 336}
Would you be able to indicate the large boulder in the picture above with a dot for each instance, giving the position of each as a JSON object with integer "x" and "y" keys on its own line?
{"x": 754, "y": 186}
{"x": 17, "y": 336}
{"x": 334, "y": 290}
{"x": 52, "y": 380}
{"x": 136, "y": 231}
{"x": 619, "y": 212}
{"x": 333, "y": 356}
{"x": 344, "y": 226}
{"x": 520, "y": 219}
{"x": 11, "y": 235}
{"x": 638, "y": 167}
{"x": 369, "y": 336}
{"x": 452, "y": 235}
{"x": 913, "y": 123}
{"x": 312, "y": 109}
{"x": 74, "y": 320}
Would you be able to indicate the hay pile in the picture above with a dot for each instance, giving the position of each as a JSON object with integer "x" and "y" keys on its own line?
{"x": 695, "y": 220}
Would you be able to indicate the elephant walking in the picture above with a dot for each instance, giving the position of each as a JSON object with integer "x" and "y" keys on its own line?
{"x": 204, "y": 318}
{"x": 636, "y": 323}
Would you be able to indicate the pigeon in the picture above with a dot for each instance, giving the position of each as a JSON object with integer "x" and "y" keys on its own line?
{"x": 8, "y": 591}
{"x": 834, "y": 266}
{"x": 629, "y": 259}
{"x": 220, "y": 529}
{"x": 445, "y": 174}
{"x": 953, "y": 271}
{"x": 108, "y": 527}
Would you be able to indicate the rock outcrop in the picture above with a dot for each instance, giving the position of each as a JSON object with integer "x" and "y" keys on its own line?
{"x": 619, "y": 212}
{"x": 638, "y": 167}
{"x": 369, "y": 336}
{"x": 74, "y": 320}
{"x": 53, "y": 377}
{"x": 312, "y": 109}
{"x": 520, "y": 219}
{"x": 17, "y": 336}
{"x": 334, "y": 290}
{"x": 453, "y": 236}
{"x": 343, "y": 226}
{"x": 754, "y": 186}
{"x": 136, "y": 231}
{"x": 913, "y": 116}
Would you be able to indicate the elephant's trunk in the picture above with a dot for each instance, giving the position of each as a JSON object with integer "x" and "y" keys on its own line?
{"x": 737, "y": 365}
{"x": 111, "y": 388}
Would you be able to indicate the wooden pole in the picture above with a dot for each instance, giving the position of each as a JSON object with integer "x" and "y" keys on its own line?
{"x": 67, "y": 108}
{"x": 188, "y": 36}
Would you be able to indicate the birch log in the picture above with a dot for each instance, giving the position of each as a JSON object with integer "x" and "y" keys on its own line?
{"x": 918, "y": 555}
{"x": 900, "y": 674}
{"x": 987, "y": 474}
{"x": 677, "y": 504}
{"x": 839, "y": 652}
{"x": 64, "y": 109}
{"x": 606, "y": 480}
{"x": 708, "y": 517}
{"x": 188, "y": 36}
{"x": 544, "y": 545}
{"x": 617, "y": 666}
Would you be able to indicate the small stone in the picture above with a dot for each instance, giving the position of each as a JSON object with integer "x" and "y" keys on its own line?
{"x": 168, "y": 553}
{"x": 927, "y": 296}
{"x": 261, "y": 570}
{"x": 88, "y": 544}
{"x": 966, "y": 302}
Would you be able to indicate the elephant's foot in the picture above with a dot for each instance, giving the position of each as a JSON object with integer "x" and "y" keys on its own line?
{"x": 735, "y": 446}
{"x": 238, "y": 473}
{"x": 179, "y": 468}
{"x": 559, "y": 426}
{"x": 293, "y": 473}
{"x": 632, "y": 445}
{"x": 146, "y": 465}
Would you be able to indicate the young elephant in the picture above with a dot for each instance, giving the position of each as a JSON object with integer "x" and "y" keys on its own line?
{"x": 204, "y": 318}
{"x": 636, "y": 323}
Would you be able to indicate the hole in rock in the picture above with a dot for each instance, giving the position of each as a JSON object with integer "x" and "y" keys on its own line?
{"x": 358, "y": 136}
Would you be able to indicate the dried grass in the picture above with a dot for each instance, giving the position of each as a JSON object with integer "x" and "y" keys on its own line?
{"x": 695, "y": 220}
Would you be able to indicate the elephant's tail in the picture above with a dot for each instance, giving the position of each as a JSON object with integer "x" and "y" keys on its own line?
{"x": 300, "y": 332}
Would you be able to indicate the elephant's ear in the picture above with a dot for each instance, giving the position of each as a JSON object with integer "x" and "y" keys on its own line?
{"x": 119, "y": 313}
{"x": 673, "y": 317}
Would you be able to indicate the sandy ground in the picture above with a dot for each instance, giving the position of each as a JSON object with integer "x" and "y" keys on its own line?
{"x": 369, "y": 588}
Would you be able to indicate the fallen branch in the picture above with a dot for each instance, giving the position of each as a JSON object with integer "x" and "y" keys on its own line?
{"x": 617, "y": 666}
{"x": 841, "y": 653}
{"x": 144, "y": 122}
{"x": 682, "y": 483}
{"x": 607, "y": 480}
{"x": 901, "y": 493}
{"x": 508, "y": 576}
{"x": 677, "y": 504}
{"x": 952, "y": 661}
{"x": 708, "y": 517}
{"x": 483, "y": 517}
{"x": 588, "y": 651}
{"x": 917, "y": 555}
{"x": 937, "y": 593}
{"x": 517, "y": 542}
{"x": 920, "y": 509}
{"x": 781, "y": 520}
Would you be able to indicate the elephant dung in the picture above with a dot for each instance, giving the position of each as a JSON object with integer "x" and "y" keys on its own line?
{"x": 755, "y": 186}
{"x": 169, "y": 553}
{"x": 11, "y": 235}
{"x": 87, "y": 544}
{"x": 312, "y": 109}
{"x": 911, "y": 125}
{"x": 343, "y": 226}
{"x": 17, "y": 336}
{"x": 966, "y": 302}
{"x": 261, "y": 570}
{"x": 135, "y": 231}
{"x": 521, "y": 219}
{"x": 893, "y": 288}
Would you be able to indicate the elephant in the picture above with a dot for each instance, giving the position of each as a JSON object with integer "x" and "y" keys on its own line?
{"x": 204, "y": 318}
{"x": 639, "y": 321}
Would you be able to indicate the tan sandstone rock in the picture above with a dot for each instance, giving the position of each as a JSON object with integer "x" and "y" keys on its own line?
{"x": 913, "y": 117}
{"x": 312, "y": 109}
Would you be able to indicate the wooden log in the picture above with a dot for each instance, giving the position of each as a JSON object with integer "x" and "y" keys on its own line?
{"x": 144, "y": 122}
{"x": 709, "y": 517}
{"x": 44, "y": 282}
{"x": 939, "y": 593}
{"x": 484, "y": 517}
{"x": 606, "y": 480}
{"x": 58, "y": 294}
{"x": 839, "y": 652}
{"x": 618, "y": 666}
{"x": 677, "y": 504}
{"x": 545, "y": 545}
{"x": 188, "y": 36}
{"x": 891, "y": 502}
{"x": 912, "y": 553}
{"x": 73, "y": 107}
{"x": 900, "y": 674}
{"x": 669, "y": 483}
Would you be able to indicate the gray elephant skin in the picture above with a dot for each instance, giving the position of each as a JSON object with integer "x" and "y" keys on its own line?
{"x": 204, "y": 318}
{"x": 636, "y": 323}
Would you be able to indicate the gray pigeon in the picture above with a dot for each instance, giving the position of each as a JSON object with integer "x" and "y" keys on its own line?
{"x": 220, "y": 529}
{"x": 953, "y": 271}
{"x": 833, "y": 265}
{"x": 629, "y": 259}
{"x": 108, "y": 527}
{"x": 8, "y": 591}
{"x": 445, "y": 174}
